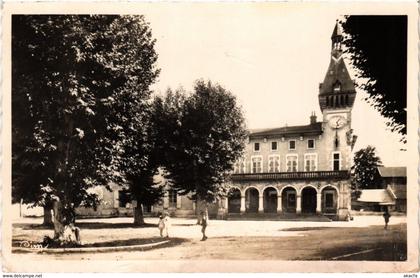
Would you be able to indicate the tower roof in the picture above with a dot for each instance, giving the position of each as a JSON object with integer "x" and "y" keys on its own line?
{"x": 337, "y": 73}
{"x": 337, "y": 30}
{"x": 338, "y": 89}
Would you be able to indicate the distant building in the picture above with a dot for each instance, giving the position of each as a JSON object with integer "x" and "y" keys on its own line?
{"x": 392, "y": 191}
{"x": 117, "y": 202}
{"x": 114, "y": 202}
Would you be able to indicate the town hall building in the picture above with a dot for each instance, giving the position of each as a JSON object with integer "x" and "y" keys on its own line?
{"x": 302, "y": 169}
{"x": 291, "y": 170}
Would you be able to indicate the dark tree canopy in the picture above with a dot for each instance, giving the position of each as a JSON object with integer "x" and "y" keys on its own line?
{"x": 140, "y": 158}
{"x": 378, "y": 49}
{"x": 365, "y": 169}
{"x": 77, "y": 82}
{"x": 205, "y": 135}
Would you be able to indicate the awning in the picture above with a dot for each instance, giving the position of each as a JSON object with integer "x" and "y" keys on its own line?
{"x": 380, "y": 196}
{"x": 392, "y": 172}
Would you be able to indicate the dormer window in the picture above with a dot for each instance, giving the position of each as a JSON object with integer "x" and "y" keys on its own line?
{"x": 337, "y": 87}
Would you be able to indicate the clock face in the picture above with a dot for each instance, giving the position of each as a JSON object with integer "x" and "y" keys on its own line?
{"x": 337, "y": 121}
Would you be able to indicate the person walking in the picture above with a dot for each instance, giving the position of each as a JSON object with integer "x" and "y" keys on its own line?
{"x": 204, "y": 222}
{"x": 386, "y": 215}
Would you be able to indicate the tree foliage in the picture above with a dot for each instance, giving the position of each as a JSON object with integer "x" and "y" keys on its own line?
{"x": 365, "y": 169}
{"x": 378, "y": 49}
{"x": 77, "y": 82}
{"x": 205, "y": 135}
{"x": 141, "y": 158}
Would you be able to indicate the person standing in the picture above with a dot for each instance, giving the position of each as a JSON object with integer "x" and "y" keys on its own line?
{"x": 161, "y": 225}
{"x": 167, "y": 221}
{"x": 204, "y": 222}
{"x": 386, "y": 215}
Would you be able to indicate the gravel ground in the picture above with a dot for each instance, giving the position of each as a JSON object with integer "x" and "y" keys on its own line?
{"x": 361, "y": 239}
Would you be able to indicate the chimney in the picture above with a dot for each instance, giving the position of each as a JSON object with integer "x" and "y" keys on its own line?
{"x": 313, "y": 118}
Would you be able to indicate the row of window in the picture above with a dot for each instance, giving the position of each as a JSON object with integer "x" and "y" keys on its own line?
{"x": 124, "y": 198}
{"x": 310, "y": 163}
{"x": 292, "y": 145}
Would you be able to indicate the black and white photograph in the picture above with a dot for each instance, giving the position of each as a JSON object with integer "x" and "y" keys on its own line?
{"x": 210, "y": 137}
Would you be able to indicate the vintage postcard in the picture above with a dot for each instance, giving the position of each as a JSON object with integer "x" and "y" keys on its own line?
{"x": 210, "y": 137}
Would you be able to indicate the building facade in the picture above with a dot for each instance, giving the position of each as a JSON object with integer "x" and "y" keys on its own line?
{"x": 296, "y": 170}
{"x": 302, "y": 169}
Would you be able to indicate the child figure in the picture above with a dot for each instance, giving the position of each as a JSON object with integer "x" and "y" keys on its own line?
{"x": 167, "y": 221}
{"x": 203, "y": 225}
{"x": 161, "y": 225}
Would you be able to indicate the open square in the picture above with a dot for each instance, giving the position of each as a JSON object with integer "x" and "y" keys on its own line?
{"x": 366, "y": 239}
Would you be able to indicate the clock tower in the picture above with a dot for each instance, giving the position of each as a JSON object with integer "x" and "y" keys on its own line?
{"x": 336, "y": 98}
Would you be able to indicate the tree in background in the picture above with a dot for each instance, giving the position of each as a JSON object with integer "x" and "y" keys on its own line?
{"x": 74, "y": 78}
{"x": 205, "y": 135}
{"x": 140, "y": 161}
{"x": 378, "y": 49}
{"x": 365, "y": 169}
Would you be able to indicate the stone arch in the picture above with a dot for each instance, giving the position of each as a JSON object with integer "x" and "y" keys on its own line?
{"x": 234, "y": 200}
{"x": 288, "y": 198}
{"x": 270, "y": 194}
{"x": 270, "y": 186}
{"x": 306, "y": 186}
{"x": 308, "y": 199}
{"x": 287, "y": 186}
{"x": 252, "y": 186}
{"x": 329, "y": 185}
{"x": 330, "y": 197}
{"x": 252, "y": 195}
{"x": 236, "y": 187}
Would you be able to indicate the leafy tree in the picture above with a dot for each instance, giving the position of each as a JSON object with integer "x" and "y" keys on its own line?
{"x": 74, "y": 78}
{"x": 205, "y": 135}
{"x": 378, "y": 49}
{"x": 140, "y": 160}
{"x": 365, "y": 169}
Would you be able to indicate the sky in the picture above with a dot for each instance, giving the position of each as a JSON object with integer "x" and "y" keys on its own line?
{"x": 272, "y": 58}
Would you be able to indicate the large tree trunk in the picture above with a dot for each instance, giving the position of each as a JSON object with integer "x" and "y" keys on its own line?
{"x": 138, "y": 215}
{"x": 201, "y": 206}
{"x": 198, "y": 211}
{"x": 58, "y": 220}
{"x": 47, "y": 216}
{"x": 65, "y": 232}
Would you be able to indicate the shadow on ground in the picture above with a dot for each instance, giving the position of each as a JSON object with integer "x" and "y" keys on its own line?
{"x": 140, "y": 241}
{"x": 184, "y": 225}
{"x": 85, "y": 225}
{"x": 306, "y": 229}
{"x": 101, "y": 225}
{"x": 118, "y": 243}
{"x": 385, "y": 251}
{"x": 360, "y": 244}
